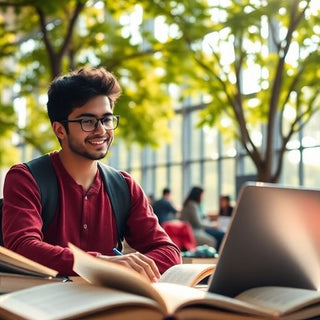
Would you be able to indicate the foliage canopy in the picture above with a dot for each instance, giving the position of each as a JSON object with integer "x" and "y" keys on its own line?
{"x": 251, "y": 62}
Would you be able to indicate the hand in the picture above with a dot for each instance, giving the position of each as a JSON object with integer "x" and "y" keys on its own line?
{"x": 138, "y": 262}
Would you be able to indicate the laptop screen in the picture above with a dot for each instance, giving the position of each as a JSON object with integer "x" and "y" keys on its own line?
{"x": 273, "y": 239}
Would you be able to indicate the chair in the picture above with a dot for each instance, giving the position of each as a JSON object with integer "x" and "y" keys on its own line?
{"x": 181, "y": 234}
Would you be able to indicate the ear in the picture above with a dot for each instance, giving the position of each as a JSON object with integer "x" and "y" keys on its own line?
{"x": 59, "y": 130}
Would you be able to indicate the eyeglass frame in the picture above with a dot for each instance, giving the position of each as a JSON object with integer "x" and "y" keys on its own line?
{"x": 117, "y": 117}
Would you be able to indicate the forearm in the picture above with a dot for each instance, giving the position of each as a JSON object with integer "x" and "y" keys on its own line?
{"x": 165, "y": 256}
{"x": 54, "y": 257}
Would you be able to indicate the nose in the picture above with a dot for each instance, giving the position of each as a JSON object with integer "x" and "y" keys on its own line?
{"x": 100, "y": 127}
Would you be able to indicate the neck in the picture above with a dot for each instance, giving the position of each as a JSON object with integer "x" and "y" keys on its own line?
{"x": 82, "y": 170}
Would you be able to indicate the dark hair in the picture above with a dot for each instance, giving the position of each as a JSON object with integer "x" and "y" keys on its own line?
{"x": 194, "y": 194}
{"x": 225, "y": 197}
{"x": 75, "y": 89}
{"x": 165, "y": 191}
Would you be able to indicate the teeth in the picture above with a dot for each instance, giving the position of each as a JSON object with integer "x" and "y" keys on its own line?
{"x": 97, "y": 142}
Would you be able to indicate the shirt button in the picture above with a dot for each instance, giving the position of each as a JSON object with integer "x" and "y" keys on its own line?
{"x": 86, "y": 198}
{"x": 85, "y": 226}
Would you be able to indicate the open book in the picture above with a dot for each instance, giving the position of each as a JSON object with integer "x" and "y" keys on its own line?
{"x": 118, "y": 293}
{"x": 18, "y": 272}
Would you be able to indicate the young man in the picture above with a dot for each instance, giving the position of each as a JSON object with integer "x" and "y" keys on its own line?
{"x": 163, "y": 207}
{"x": 80, "y": 107}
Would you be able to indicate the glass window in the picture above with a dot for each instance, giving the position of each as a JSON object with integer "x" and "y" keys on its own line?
{"x": 176, "y": 185}
{"x": 176, "y": 144}
{"x": 148, "y": 156}
{"x": 187, "y": 137}
{"x": 311, "y": 167}
{"x": 193, "y": 158}
{"x": 311, "y": 132}
{"x": 135, "y": 154}
{"x": 162, "y": 155}
{"x": 148, "y": 180}
{"x": 195, "y": 174}
{"x": 290, "y": 169}
{"x": 122, "y": 155}
{"x": 228, "y": 148}
{"x": 211, "y": 186}
{"x": 161, "y": 180}
{"x": 249, "y": 166}
{"x": 228, "y": 184}
{"x": 210, "y": 143}
{"x": 136, "y": 175}
{"x": 195, "y": 138}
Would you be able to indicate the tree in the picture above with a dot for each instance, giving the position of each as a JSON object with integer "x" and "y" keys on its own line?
{"x": 279, "y": 41}
{"x": 209, "y": 50}
{"x": 7, "y": 114}
{"x": 53, "y": 37}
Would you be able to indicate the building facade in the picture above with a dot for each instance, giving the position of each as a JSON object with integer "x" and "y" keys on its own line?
{"x": 200, "y": 156}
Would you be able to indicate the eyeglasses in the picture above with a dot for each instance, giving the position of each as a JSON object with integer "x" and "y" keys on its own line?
{"x": 89, "y": 124}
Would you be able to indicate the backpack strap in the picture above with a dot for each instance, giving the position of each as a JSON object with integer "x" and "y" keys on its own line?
{"x": 42, "y": 170}
{"x": 118, "y": 191}
{"x": 116, "y": 186}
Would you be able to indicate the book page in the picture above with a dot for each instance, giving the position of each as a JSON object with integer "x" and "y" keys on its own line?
{"x": 178, "y": 297}
{"x": 280, "y": 300}
{"x": 67, "y": 300}
{"x": 104, "y": 273}
{"x": 193, "y": 313}
{"x": 169, "y": 296}
{"x": 10, "y": 260}
{"x": 194, "y": 260}
{"x": 187, "y": 274}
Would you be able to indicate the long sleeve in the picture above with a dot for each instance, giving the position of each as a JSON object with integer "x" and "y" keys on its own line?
{"x": 22, "y": 222}
{"x": 143, "y": 225}
{"x": 84, "y": 218}
{"x": 191, "y": 214}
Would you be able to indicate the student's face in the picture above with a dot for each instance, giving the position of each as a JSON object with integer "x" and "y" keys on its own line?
{"x": 91, "y": 145}
{"x": 224, "y": 203}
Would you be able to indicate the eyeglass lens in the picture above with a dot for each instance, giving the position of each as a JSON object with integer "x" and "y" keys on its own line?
{"x": 90, "y": 124}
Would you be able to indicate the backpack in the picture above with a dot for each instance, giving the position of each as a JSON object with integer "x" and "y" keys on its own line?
{"x": 116, "y": 186}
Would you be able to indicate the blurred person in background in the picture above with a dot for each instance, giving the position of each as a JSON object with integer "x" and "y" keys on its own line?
{"x": 225, "y": 207}
{"x": 164, "y": 208}
{"x": 205, "y": 231}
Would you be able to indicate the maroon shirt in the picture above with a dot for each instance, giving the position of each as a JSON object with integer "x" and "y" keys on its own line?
{"x": 82, "y": 218}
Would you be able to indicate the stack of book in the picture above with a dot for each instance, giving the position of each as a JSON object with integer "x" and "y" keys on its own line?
{"x": 18, "y": 272}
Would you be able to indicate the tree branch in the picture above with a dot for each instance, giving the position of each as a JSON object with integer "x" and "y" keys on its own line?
{"x": 78, "y": 8}
{"x": 278, "y": 80}
{"x": 43, "y": 28}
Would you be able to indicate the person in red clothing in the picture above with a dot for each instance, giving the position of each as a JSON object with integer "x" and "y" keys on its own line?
{"x": 80, "y": 107}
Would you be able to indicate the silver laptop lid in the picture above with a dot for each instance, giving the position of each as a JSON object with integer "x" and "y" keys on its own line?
{"x": 273, "y": 239}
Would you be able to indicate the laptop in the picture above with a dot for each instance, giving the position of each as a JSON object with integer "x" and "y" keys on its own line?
{"x": 273, "y": 240}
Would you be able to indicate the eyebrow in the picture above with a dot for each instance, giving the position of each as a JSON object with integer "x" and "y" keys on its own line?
{"x": 91, "y": 115}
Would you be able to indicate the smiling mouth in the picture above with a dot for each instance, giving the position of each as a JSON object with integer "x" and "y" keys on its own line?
{"x": 98, "y": 142}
